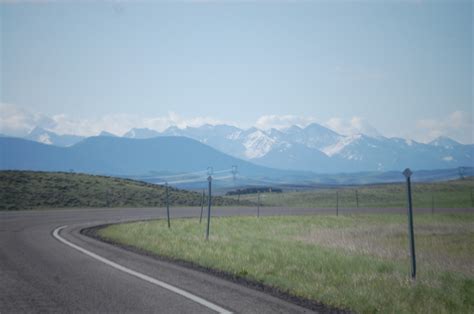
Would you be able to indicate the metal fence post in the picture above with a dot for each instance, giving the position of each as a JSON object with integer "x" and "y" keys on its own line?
{"x": 258, "y": 204}
{"x": 407, "y": 173}
{"x": 202, "y": 206}
{"x": 167, "y": 205}
{"x": 472, "y": 199}
{"x": 432, "y": 204}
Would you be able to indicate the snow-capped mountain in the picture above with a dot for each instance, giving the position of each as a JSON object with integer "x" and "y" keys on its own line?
{"x": 369, "y": 153}
{"x": 225, "y": 138}
{"x": 314, "y": 147}
{"x": 257, "y": 143}
{"x": 107, "y": 134}
{"x": 141, "y": 133}
{"x": 47, "y": 137}
{"x": 295, "y": 156}
{"x": 312, "y": 136}
{"x": 444, "y": 142}
{"x": 254, "y": 143}
{"x": 320, "y": 149}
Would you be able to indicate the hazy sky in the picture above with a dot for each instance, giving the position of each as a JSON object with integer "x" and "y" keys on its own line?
{"x": 404, "y": 68}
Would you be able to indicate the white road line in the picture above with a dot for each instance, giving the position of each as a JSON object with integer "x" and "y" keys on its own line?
{"x": 149, "y": 279}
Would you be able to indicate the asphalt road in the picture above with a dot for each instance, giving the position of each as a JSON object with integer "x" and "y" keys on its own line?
{"x": 39, "y": 273}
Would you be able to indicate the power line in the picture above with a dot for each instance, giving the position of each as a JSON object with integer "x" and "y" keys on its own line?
{"x": 185, "y": 174}
{"x": 222, "y": 178}
{"x": 221, "y": 171}
{"x": 202, "y": 179}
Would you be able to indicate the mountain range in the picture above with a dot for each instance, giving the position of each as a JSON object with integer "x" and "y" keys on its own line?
{"x": 164, "y": 158}
{"x": 313, "y": 148}
{"x": 180, "y": 161}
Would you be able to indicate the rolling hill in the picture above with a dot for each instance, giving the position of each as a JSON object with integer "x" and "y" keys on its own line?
{"x": 42, "y": 190}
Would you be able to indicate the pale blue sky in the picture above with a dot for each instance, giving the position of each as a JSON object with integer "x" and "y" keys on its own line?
{"x": 393, "y": 64}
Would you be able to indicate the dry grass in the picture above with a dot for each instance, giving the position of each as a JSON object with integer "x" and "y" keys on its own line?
{"x": 435, "y": 243}
{"x": 352, "y": 261}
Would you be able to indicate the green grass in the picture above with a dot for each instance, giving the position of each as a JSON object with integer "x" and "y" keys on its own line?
{"x": 359, "y": 262}
{"x": 450, "y": 194}
{"x": 36, "y": 190}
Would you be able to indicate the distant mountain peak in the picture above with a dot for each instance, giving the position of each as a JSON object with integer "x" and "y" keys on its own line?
{"x": 172, "y": 130}
{"x": 37, "y": 130}
{"x": 141, "y": 133}
{"x": 208, "y": 126}
{"x": 444, "y": 141}
{"x": 339, "y": 146}
{"x": 41, "y": 135}
{"x": 292, "y": 128}
{"x": 318, "y": 127}
{"x": 257, "y": 143}
{"x": 108, "y": 134}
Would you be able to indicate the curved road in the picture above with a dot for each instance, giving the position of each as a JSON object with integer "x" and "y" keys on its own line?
{"x": 74, "y": 273}
{"x": 41, "y": 273}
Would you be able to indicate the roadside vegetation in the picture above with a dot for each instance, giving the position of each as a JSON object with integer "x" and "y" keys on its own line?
{"x": 449, "y": 194}
{"x": 356, "y": 262}
{"x": 36, "y": 190}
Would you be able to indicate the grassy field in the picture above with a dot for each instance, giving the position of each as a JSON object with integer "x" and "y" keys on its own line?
{"x": 35, "y": 190}
{"x": 357, "y": 262}
{"x": 450, "y": 194}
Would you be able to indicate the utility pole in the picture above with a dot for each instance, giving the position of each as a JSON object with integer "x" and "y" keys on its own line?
{"x": 407, "y": 173}
{"x": 461, "y": 171}
{"x": 167, "y": 205}
{"x": 209, "y": 208}
{"x": 337, "y": 203}
{"x": 234, "y": 173}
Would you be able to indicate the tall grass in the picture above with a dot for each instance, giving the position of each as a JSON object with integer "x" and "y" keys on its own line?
{"x": 358, "y": 262}
{"x": 450, "y": 194}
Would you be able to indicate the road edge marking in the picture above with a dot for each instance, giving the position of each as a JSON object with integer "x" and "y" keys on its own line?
{"x": 144, "y": 277}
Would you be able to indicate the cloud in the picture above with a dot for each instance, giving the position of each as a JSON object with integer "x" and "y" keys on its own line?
{"x": 280, "y": 122}
{"x": 356, "y": 125}
{"x": 458, "y": 125}
{"x": 119, "y": 124}
{"x": 113, "y": 123}
{"x": 17, "y": 121}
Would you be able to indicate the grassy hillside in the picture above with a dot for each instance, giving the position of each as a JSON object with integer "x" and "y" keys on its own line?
{"x": 35, "y": 190}
{"x": 449, "y": 194}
